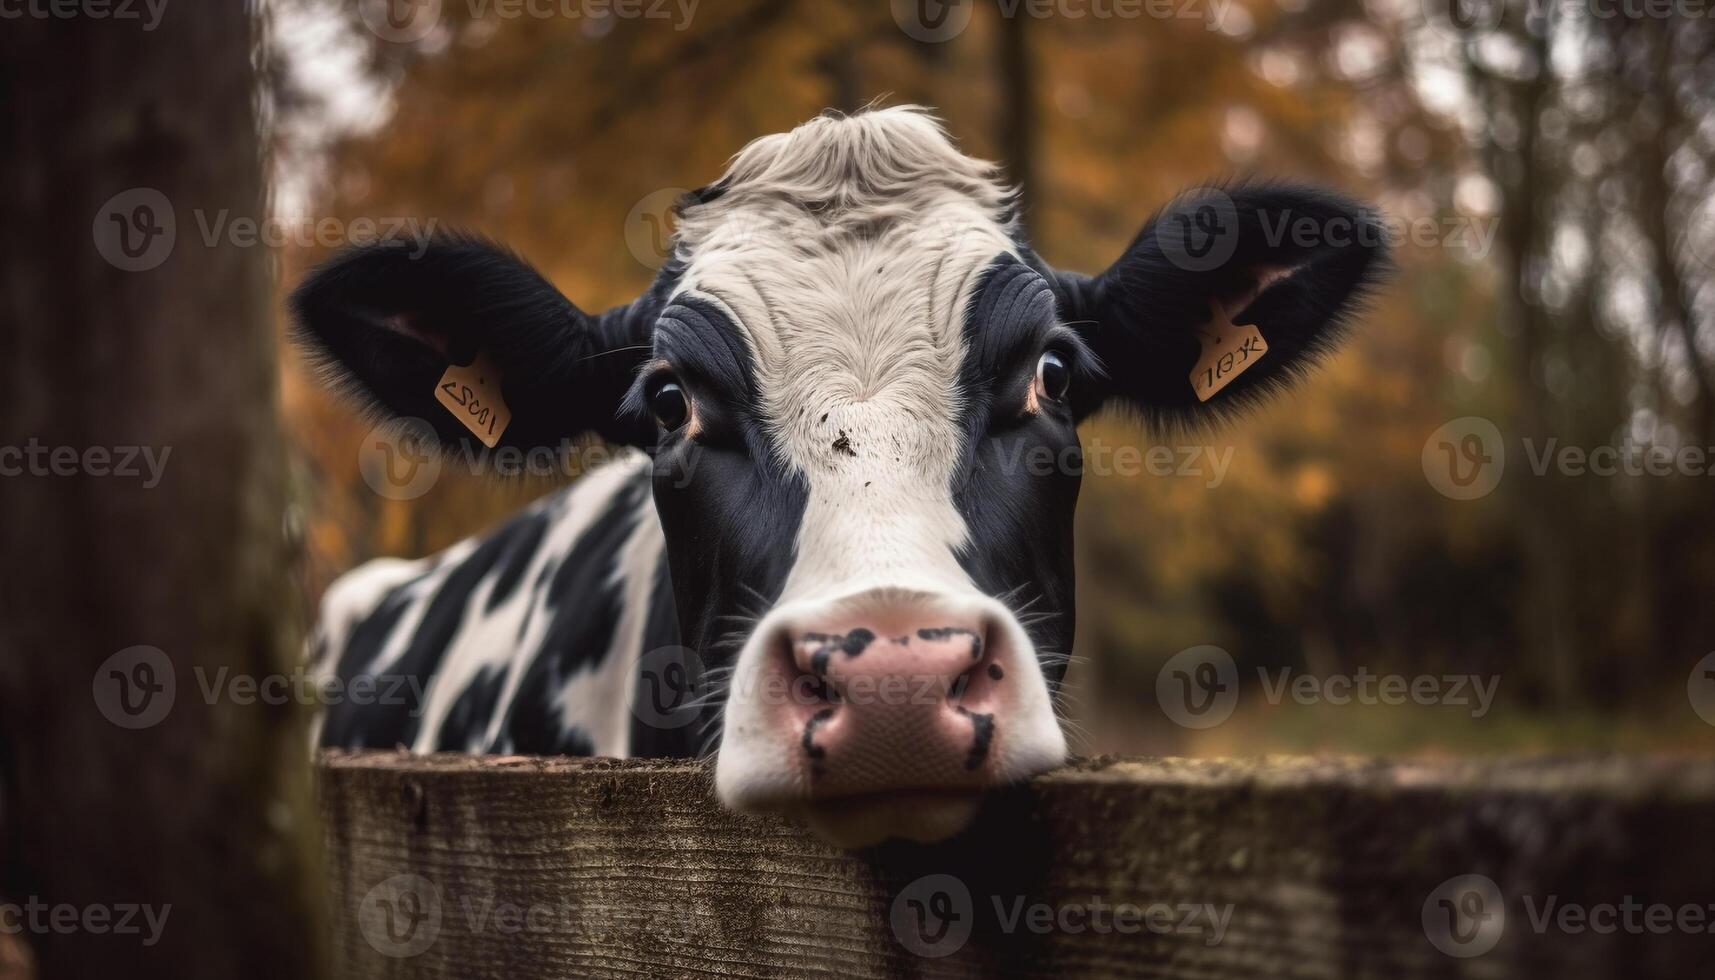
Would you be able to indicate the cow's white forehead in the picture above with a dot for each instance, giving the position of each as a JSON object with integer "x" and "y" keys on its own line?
{"x": 845, "y": 252}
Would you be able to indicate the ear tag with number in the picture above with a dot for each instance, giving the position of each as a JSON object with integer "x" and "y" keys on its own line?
{"x": 472, "y": 393}
{"x": 1228, "y": 351}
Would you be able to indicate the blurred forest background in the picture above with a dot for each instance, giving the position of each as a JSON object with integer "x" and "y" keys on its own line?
{"x": 1561, "y": 161}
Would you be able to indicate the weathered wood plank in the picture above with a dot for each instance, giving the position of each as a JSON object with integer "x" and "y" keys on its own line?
{"x": 535, "y": 867}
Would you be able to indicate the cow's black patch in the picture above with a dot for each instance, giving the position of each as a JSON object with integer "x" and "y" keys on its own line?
{"x": 470, "y": 714}
{"x": 814, "y": 722}
{"x": 816, "y": 753}
{"x": 941, "y": 634}
{"x": 851, "y": 644}
{"x": 584, "y": 606}
{"x": 396, "y": 714}
{"x": 447, "y": 610}
{"x": 524, "y": 537}
{"x": 679, "y": 737}
{"x": 730, "y": 508}
{"x": 1017, "y": 481}
{"x": 347, "y": 724}
{"x": 982, "y": 736}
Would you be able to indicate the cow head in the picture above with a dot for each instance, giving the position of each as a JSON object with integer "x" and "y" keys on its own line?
{"x": 851, "y": 375}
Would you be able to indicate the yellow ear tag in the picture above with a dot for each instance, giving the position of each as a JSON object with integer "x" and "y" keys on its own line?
{"x": 472, "y": 393}
{"x": 1228, "y": 351}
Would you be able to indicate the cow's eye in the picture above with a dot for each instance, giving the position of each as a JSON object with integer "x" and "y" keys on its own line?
{"x": 669, "y": 405}
{"x": 1053, "y": 377}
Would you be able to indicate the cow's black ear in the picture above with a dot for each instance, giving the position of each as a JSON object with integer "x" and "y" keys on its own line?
{"x": 1174, "y": 319}
{"x": 385, "y": 321}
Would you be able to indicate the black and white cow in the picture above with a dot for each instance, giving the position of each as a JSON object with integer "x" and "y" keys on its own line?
{"x": 829, "y": 390}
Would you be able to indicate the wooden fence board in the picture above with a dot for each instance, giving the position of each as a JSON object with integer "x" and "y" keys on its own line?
{"x": 536, "y": 868}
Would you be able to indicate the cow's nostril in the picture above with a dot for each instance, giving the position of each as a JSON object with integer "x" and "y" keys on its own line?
{"x": 819, "y": 690}
{"x": 976, "y": 683}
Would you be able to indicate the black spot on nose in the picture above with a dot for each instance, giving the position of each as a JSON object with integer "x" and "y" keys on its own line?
{"x": 851, "y": 644}
{"x": 942, "y": 634}
{"x": 995, "y": 671}
{"x": 982, "y": 735}
{"x": 811, "y": 749}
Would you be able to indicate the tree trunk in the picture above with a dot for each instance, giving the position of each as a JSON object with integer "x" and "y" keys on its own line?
{"x": 133, "y": 579}
{"x": 1017, "y": 110}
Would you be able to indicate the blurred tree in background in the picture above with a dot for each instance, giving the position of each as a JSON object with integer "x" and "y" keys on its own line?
{"x": 1548, "y": 171}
